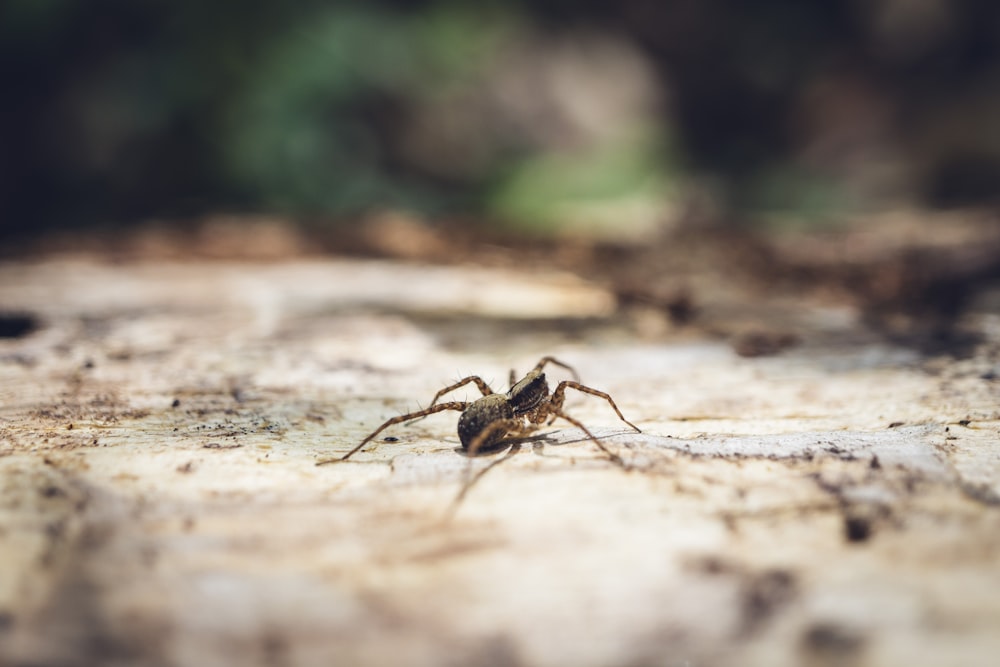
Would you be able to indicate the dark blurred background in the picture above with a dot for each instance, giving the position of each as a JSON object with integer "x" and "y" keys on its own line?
{"x": 543, "y": 113}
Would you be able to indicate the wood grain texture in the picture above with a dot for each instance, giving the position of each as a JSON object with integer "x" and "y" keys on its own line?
{"x": 834, "y": 505}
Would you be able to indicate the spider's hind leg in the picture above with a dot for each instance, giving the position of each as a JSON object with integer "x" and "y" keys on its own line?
{"x": 479, "y": 382}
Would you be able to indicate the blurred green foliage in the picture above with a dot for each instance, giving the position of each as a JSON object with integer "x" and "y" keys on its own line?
{"x": 305, "y": 134}
{"x": 604, "y": 187}
{"x": 117, "y": 111}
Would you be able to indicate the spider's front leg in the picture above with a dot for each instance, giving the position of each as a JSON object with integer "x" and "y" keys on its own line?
{"x": 497, "y": 431}
{"x": 559, "y": 395}
{"x": 441, "y": 407}
{"x": 491, "y": 435}
{"x": 617, "y": 460}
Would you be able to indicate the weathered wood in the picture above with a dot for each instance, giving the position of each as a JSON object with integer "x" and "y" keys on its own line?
{"x": 160, "y": 504}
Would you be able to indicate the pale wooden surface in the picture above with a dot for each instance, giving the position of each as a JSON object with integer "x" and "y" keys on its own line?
{"x": 837, "y": 504}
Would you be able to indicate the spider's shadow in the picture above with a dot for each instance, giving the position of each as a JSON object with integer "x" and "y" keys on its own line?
{"x": 537, "y": 442}
{"x": 513, "y": 446}
{"x": 509, "y": 443}
{"x": 575, "y": 440}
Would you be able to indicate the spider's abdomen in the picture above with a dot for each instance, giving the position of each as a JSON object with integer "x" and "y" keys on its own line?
{"x": 480, "y": 415}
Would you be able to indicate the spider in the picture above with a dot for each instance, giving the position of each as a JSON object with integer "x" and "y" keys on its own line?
{"x": 487, "y": 421}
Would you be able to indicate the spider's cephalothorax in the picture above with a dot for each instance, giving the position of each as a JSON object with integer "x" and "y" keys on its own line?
{"x": 529, "y": 393}
{"x": 487, "y": 421}
{"x": 490, "y": 416}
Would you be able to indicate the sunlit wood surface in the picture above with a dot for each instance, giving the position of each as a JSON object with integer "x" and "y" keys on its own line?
{"x": 837, "y": 504}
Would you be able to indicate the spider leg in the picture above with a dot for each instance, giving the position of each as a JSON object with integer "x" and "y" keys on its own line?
{"x": 514, "y": 427}
{"x": 458, "y": 405}
{"x": 552, "y": 360}
{"x": 483, "y": 387}
{"x": 559, "y": 395}
{"x": 471, "y": 481}
{"x": 575, "y": 422}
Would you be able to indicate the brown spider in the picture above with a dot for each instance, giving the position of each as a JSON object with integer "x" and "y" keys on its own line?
{"x": 487, "y": 421}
